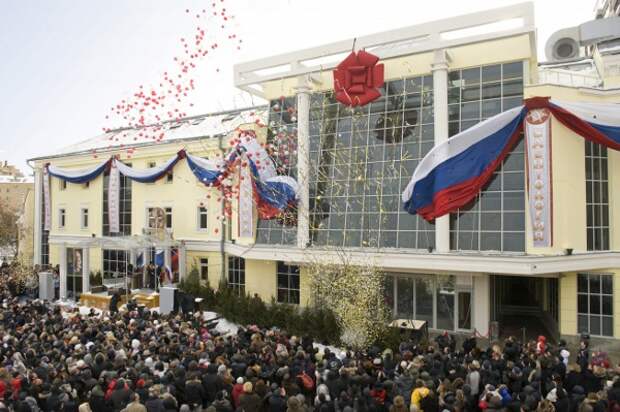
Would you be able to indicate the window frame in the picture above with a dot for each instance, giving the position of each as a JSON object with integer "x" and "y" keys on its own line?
{"x": 202, "y": 211}
{"x": 235, "y": 278}
{"x": 597, "y": 204}
{"x": 84, "y": 218}
{"x": 293, "y": 295}
{"x": 600, "y": 295}
{"x": 62, "y": 218}
{"x": 168, "y": 218}
{"x": 204, "y": 269}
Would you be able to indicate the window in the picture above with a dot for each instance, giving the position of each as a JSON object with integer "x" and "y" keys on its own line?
{"x": 434, "y": 299}
{"x": 282, "y": 133}
{"x": 202, "y": 218}
{"x": 204, "y": 269}
{"x": 84, "y": 219}
{"x": 124, "y": 206}
{"x": 86, "y": 185}
{"x": 62, "y": 216}
{"x": 115, "y": 264}
{"x": 63, "y": 184}
{"x": 360, "y": 159}
{"x": 169, "y": 176}
{"x": 236, "y": 274}
{"x": 495, "y": 220}
{"x": 597, "y": 197}
{"x": 168, "y": 214}
{"x": 45, "y": 247}
{"x": 288, "y": 283}
{"x": 595, "y": 304}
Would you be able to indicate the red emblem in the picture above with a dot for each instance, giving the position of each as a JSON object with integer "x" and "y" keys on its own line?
{"x": 357, "y": 78}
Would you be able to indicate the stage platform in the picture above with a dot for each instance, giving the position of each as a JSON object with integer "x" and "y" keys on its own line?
{"x": 146, "y": 297}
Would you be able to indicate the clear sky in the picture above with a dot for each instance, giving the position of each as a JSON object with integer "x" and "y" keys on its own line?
{"x": 65, "y": 62}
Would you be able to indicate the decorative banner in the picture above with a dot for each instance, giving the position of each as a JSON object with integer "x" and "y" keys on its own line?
{"x": 77, "y": 261}
{"x": 246, "y": 202}
{"x": 47, "y": 206}
{"x": 114, "y": 186}
{"x": 272, "y": 193}
{"x": 538, "y": 144}
{"x": 357, "y": 79}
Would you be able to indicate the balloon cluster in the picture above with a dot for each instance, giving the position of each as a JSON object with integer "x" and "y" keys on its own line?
{"x": 149, "y": 108}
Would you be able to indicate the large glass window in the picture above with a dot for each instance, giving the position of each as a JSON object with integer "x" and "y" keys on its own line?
{"x": 361, "y": 159}
{"x": 74, "y": 272}
{"x": 282, "y": 137}
{"x": 236, "y": 274}
{"x": 124, "y": 206}
{"x": 288, "y": 283}
{"x": 597, "y": 197}
{"x": 430, "y": 298}
{"x": 115, "y": 265}
{"x": 495, "y": 220}
{"x": 595, "y": 304}
{"x": 45, "y": 235}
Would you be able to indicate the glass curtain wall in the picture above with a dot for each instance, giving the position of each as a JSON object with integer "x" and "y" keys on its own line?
{"x": 361, "y": 158}
{"x": 495, "y": 220}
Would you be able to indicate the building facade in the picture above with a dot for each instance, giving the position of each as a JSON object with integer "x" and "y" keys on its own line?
{"x": 459, "y": 273}
{"x": 16, "y": 192}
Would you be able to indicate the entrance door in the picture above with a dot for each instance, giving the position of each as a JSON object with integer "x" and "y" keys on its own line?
{"x": 525, "y": 306}
{"x": 74, "y": 273}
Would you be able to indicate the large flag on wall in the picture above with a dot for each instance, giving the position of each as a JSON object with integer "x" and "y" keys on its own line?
{"x": 452, "y": 174}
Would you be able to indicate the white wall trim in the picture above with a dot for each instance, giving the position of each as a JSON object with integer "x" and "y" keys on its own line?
{"x": 389, "y": 44}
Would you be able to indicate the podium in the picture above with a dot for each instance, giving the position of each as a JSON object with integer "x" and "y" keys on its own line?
{"x": 46, "y": 286}
{"x": 167, "y": 299}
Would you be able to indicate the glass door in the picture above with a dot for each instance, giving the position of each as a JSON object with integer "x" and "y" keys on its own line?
{"x": 74, "y": 273}
{"x": 464, "y": 309}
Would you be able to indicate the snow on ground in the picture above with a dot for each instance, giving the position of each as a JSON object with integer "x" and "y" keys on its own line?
{"x": 340, "y": 353}
{"x": 224, "y": 326}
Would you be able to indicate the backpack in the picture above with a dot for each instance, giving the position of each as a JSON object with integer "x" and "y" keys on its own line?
{"x": 306, "y": 381}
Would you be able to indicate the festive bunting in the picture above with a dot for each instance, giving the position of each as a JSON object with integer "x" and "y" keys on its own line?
{"x": 272, "y": 193}
{"x": 78, "y": 176}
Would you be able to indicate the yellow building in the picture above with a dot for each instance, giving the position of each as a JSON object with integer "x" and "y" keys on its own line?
{"x": 460, "y": 273}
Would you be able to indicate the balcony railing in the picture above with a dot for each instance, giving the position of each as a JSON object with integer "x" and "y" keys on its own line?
{"x": 572, "y": 78}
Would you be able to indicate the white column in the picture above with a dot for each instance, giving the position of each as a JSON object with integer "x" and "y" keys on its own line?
{"x": 146, "y": 260}
{"x": 480, "y": 303}
{"x": 182, "y": 261}
{"x": 85, "y": 270}
{"x": 38, "y": 210}
{"x": 440, "y": 107}
{"x": 62, "y": 255}
{"x": 168, "y": 257}
{"x": 303, "y": 163}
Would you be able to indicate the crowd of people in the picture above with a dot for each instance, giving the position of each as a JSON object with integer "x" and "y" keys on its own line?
{"x": 63, "y": 360}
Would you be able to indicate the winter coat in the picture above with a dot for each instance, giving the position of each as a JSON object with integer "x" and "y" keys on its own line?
{"x": 222, "y": 406}
{"x": 154, "y": 405}
{"x": 194, "y": 392}
{"x": 249, "y": 402}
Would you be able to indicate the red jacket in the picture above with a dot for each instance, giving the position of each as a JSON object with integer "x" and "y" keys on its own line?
{"x": 236, "y": 393}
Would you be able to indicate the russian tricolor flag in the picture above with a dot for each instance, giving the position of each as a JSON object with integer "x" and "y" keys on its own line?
{"x": 454, "y": 172}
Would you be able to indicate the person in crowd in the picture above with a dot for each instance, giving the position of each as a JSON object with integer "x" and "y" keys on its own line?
{"x": 53, "y": 359}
